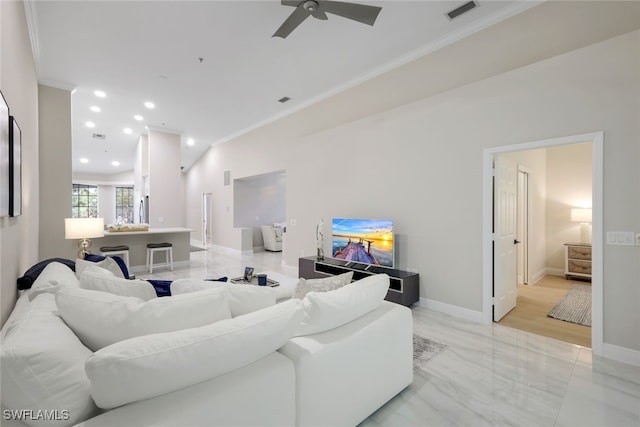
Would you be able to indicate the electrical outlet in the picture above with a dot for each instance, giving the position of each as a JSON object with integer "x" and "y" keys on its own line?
{"x": 637, "y": 239}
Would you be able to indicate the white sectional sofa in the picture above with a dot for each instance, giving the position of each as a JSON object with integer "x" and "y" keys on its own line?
{"x": 319, "y": 361}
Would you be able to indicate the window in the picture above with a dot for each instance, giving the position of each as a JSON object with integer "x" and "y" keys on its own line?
{"x": 84, "y": 201}
{"x": 124, "y": 205}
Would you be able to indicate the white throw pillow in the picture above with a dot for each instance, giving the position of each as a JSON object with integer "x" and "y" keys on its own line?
{"x": 109, "y": 264}
{"x": 153, "y": 365}
{"x": 116, "y": 285}
{"x": 243, "y": 299}
{"x": 328, "y": 310}
{"x": 54, "y": 277}
{"x": 42, "y": 367}
{"x": 100, "y": 319}
{"x": 321, "y": 285}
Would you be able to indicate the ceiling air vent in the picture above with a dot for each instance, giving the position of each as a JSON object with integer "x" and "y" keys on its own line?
{"x": 284, "y": 99}
{"x": 466, "y": 7}
{"x": 99, "y": 136}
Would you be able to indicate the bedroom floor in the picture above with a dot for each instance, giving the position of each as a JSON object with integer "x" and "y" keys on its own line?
{"x": 488, "y": 374}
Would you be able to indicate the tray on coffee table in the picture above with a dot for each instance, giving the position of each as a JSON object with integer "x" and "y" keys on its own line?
{"x": 253, "y": 281}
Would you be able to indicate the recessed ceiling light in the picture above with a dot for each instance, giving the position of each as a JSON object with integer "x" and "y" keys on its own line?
{"x": 149, "y": 105}
{"x": 99, "y": 94}
{"x": 84, "y": 160}
{"x": 127, "y": 131}
{"x": 190, "y": 141}
{"x": 138, "y": 117}
{"x": 115, "y": 163}
{"x": 95, "y": 108}
{"x": 90, "y": 124}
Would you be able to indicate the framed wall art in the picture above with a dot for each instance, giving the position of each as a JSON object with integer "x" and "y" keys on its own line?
{"x": 15, "y": 168}
{"x": 4, "y": 157}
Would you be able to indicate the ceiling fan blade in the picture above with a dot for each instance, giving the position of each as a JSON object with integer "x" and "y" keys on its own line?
{"x": 357, "y": 12}
{"x": 292, "y": 22}
{"x": 294, "y": 3}
{"x": 319, "y": 14}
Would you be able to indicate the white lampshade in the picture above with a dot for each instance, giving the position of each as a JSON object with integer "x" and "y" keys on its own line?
{"x": 581, "y": 215}
{"x": 83, "y": 228}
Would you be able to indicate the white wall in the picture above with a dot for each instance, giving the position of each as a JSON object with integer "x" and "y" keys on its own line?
{"x": 569, "y": 180}
{"x": 421, "y": 164}
{"x": 19, "y": 235}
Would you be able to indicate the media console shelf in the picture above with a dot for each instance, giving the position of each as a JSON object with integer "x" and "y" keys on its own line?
{"x": 404, "y": 287}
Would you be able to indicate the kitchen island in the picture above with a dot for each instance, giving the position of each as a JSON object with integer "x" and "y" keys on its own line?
{"x": 137, "y": 241}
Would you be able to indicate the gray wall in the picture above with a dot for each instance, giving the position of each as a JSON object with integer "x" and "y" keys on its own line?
{"x": 421, "y": 162}
{"x": 19, "y": 235}
{"x": 165, "y": 183}
{"x": 55, "y": 171}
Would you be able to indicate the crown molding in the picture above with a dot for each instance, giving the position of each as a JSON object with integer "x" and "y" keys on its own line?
{"x": 58, "y": 85}
{"x": 32, "y": 25}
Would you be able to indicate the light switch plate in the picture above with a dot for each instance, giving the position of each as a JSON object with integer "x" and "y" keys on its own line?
{"x": 637, "y": 239}
{"x": 621, "y": 238}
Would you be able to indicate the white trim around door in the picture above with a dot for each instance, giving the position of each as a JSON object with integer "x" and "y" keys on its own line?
{"x": 597, "y": 140}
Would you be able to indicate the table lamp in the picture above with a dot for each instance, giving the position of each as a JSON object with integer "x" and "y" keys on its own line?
{"x": 583, "y": 216}
{"x": 83, "y": 229}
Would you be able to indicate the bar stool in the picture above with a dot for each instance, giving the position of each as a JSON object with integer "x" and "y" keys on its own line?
{"x": 122, "y": 251}
{"x": 152, "y": 248}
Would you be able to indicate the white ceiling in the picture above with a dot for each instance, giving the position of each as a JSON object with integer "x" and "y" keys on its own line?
{"x": 149, "y": 51}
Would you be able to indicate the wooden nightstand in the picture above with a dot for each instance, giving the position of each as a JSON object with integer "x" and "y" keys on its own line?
{"x": 577, "y": 260}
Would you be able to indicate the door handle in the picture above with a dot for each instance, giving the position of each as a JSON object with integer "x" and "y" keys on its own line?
{"x": 516, "y": 241}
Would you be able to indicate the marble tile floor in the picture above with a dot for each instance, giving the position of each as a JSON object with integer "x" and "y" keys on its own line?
{"x": 490, "y": 375}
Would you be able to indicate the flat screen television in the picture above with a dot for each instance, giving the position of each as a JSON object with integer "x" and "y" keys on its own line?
{"x": 363, "y": 241}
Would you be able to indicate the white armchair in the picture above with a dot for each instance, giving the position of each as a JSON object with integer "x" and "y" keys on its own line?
{"x": 272, "y": 237}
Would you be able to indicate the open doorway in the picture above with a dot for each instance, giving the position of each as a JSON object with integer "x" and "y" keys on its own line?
{"x": 206, "y": 219}
{"x": 533, "y": 273}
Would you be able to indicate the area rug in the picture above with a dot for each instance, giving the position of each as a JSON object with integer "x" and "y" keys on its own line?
{"x": 424, "y": 350}
{"x": 575, "y": 306}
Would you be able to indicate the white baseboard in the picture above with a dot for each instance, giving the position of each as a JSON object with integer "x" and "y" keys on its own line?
{"x": 232, "y": 251}
{"x": 453, "y": 310}
{"x": 621, "y": 354}
{"x": 555, "y": 271}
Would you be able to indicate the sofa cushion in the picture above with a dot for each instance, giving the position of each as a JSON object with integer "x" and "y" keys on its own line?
{"x": 107, "y": 263}
{"x": 322, "y": 285}
{"x": 42, "y": 366}
{"x": 243, "y": 299}
{"x": 54, "y": 277}
{"x": 34, "y": 271}
{"x": 327, "y": 310}
{"x": 124, "y": 270}
{"x": 100, "y": 319}
{"x": 95, "y": 279}
{"x": 152, "y": 365}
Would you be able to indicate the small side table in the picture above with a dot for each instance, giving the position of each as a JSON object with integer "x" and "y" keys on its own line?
{"x": 577, "y": 260}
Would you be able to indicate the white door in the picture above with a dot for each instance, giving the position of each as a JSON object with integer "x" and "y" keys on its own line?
{"x": 505, "y": 256}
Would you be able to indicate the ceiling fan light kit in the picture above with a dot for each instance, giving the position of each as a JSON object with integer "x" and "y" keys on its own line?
{"x": 319, "y": 8}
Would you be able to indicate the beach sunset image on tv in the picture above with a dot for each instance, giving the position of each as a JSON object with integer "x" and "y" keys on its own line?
{"x": 367, "y": 241}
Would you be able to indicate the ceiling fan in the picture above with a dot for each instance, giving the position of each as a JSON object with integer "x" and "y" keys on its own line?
{"x": 319, "y": 9}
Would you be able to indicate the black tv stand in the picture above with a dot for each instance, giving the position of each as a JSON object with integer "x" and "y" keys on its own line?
{"x": 404, "y": 287}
